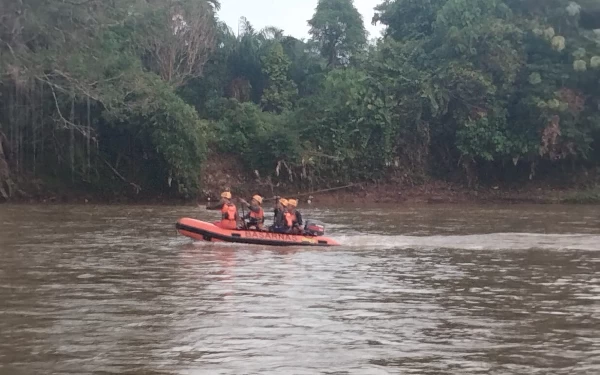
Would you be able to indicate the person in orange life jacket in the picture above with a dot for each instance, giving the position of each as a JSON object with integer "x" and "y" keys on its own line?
{"x": 279, "y": 211}
{"x": 256, "y": 216}
{"x": 229, "y": 214}
{"x": 293, "y": 218}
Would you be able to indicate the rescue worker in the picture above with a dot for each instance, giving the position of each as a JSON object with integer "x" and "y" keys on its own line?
{"x": 293, "y": 218}
{"x": 279, "y": 212}
{"x": 256, "y": 216}
{"x": 229, "y": 214}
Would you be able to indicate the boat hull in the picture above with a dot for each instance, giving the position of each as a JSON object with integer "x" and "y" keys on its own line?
{"x": 203, "y": 231}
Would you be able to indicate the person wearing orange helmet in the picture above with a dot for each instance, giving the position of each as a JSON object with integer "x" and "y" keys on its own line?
{"x": 278, "y": 214}
{"x": 256, "y": 214}
{"x": 229, "y": 214}
{"x": 292, "y": 218}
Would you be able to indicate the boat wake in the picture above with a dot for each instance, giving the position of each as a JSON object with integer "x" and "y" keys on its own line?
{"x": 493, "y": 241}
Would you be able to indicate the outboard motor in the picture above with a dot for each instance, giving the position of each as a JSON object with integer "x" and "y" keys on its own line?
{"x": 314, "y": 228}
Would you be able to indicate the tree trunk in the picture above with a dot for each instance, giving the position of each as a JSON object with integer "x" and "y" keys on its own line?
{"x": 42, "y": 120}
{"x": 33, "y": 125}
{"x": 89, "y": 137}
{"x": 6, "y": 183}
{"x": 72, "y": 139}
{"x": 11, "y": 119}
{"x": 19, "y": 124}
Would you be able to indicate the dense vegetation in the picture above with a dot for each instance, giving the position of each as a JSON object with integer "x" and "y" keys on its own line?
{"x": 135, "y": 94}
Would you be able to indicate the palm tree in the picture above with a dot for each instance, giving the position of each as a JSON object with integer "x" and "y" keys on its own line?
{"x": 272, "y": 33}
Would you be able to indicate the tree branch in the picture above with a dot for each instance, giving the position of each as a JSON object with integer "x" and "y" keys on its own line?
{"x": 136, "y": 187}
{"x": 67, "y": 123}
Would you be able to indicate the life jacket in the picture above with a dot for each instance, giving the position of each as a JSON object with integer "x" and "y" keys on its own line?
{"x": 228, "y": 211}
{"x": 290, "y": 219}
{"x": 258, "y": 216}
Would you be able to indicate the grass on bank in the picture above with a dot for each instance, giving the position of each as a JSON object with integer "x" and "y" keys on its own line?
{"x": 589, "y": 196}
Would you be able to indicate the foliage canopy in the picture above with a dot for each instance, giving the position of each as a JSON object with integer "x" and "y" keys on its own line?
{"x": 136, "y": 93}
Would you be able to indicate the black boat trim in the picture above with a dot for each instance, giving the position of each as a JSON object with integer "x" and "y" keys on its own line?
{"x": 239, "y": 239}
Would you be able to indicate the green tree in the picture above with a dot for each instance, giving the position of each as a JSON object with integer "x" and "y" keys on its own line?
{"x": 307, "y": 67}
{"x": 280, "y": 91}
{"x": 176, "y": 38}
{"x": 86, "y": 99}
{"x": 492, "y": 80}
{"x": 338, "y": 29}
{"x": 129, "y": 96}
{"x": 407, "y": 18}
{"x": 346, "y": 128}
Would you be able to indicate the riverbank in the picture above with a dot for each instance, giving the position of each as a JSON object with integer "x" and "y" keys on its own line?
{"x": 225, "y": 172}
{"x": 435, "y": 192}
{"x": 440, "y": 192}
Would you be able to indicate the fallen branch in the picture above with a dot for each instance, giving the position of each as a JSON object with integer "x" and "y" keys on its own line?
{"x": 137, "y": 187}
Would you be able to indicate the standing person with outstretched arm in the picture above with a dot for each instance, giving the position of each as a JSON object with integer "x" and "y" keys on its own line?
{"x": 229, "y": 214}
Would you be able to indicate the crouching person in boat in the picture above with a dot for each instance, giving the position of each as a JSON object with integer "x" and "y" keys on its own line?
{"x": 229, "y": 214}
{"x": 256, "y": 214}
{"x": 292, "y": 218}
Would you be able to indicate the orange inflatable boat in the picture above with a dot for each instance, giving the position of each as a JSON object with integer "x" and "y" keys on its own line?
{"x": 203, "y": 231}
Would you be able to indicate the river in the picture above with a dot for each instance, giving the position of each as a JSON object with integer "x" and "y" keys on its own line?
{"x": 413, "y": 290}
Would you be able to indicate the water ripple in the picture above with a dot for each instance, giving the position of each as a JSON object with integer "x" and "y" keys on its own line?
{"x": 114, "y": 290}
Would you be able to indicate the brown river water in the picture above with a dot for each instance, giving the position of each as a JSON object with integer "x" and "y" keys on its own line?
{"x": 413, "y": 290}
